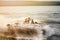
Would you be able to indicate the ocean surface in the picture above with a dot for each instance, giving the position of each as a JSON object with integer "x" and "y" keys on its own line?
{"x": 54, "y": 22}
{"x": 49, "y": 14}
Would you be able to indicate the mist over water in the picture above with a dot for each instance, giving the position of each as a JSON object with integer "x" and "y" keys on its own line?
{"x": 48, "y": 16}
{"x": 51, "y": 26}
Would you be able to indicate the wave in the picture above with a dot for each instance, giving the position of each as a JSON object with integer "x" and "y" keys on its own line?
{"x": 53, "y": 22}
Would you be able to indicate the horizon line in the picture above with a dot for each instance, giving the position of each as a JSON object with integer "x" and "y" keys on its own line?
{"x": 29, "y": 3}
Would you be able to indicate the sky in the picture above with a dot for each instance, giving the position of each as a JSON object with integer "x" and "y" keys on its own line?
{"x": 30, "y": 0}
